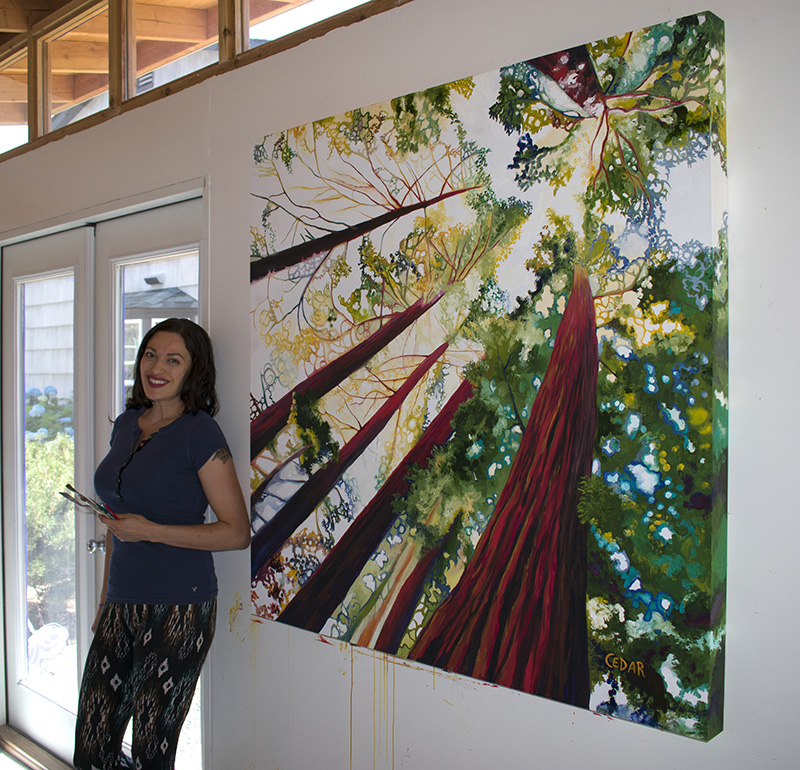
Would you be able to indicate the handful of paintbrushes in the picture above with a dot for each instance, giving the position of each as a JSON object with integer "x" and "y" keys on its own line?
{"x": 87, "y": 502}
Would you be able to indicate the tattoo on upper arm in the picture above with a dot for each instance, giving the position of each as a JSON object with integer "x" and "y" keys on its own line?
{"x": 222, "y": 454}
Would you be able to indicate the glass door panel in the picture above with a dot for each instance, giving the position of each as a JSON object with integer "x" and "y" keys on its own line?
{"x": 47, "y": 520}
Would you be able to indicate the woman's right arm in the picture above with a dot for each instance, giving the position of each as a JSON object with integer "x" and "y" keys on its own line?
{"x": 104, "y": 589}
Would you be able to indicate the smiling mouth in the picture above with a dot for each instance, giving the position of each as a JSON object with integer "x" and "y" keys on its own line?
{"x": 157, "y": 383}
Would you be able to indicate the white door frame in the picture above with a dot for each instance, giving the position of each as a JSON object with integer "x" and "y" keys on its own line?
{"x": 67, "y": 252}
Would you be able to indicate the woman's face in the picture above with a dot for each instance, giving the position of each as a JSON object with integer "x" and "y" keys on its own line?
{"x": 163, "y": 368}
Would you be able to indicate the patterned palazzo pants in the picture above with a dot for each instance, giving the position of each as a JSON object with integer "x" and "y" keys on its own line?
{"x": 144, "y": 663}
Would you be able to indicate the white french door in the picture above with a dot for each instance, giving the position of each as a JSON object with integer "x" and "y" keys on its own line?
{"x": 147, "y": 269}
{"x": 47, "y": 397}
{"x": 75, "y": 307}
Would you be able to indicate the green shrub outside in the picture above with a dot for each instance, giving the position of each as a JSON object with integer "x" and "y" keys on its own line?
{"x": 50, "y": 521}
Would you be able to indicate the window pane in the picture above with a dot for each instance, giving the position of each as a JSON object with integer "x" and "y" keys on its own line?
{"x": 47, "y": 312}
{"x": 270, "y": 20}
{"x": 78, "y": 67}
{"x": 132, "y": 336}
{"x": 174, "y": 38}
{"x": 151, "y": 290}
{"x": 14, "y": 102}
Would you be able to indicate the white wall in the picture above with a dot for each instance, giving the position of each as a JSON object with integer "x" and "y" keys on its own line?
{"x": 283, "y": 698}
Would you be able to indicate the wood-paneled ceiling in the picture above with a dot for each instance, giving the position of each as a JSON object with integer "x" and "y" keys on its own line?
{"x": 165, "y": 31}
{"x": 20, "y": 15}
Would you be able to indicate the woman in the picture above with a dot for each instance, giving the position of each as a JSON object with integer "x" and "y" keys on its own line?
{"x": 168, "y": 461}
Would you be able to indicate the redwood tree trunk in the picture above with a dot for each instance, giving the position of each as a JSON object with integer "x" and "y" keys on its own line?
{"x": 294, "y": 255}
{"x": 573, "y": 70}
{"x": 269, "y": 539}
{"x": 402, "y": 611}
{"x": 273, "y": 419}
{"x": 517, "y": 617}
{"x": 326, "y": 589}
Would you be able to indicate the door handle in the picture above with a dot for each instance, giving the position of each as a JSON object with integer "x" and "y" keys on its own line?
{"x": 96, "y": 545}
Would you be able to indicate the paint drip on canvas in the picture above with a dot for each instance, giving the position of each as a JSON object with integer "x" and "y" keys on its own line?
{"x": 489, "y": 376}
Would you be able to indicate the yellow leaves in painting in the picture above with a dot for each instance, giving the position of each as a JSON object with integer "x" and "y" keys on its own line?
{"x": 700, "y": 420}
{"x": 259, "y": 243}
{"x": 649, "y": 326}
{"x": 463, "y": 87}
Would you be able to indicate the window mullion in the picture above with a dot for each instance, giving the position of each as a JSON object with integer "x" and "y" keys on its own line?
{"x": 36, "y": 89}
{"x": 233, "y": 18}
{"x": 121, "y": 51}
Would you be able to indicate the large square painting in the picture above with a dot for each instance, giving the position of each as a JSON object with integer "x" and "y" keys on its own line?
{"x": 489, "y": 375}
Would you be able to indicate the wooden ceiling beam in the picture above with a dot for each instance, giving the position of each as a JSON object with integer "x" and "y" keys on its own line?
{"x": 13, "y": 88}
{"x": 86, "y": 86}
{"x": 62, "y": 88}
{"x": 68, "y": 58}
{"x": 20, "y": 15}
{"x": 200, "y": 4}
{"x": 183, "y": 25}
{"x": 17, "y": 67}
{"x": 94, "y": 29}
{"x": 13, "y": 114}
{"x": 153, "y": 22}
{"x": 68, "y": 90}
{"x": 261, "y": 10}
{"x": 151, "y": 54}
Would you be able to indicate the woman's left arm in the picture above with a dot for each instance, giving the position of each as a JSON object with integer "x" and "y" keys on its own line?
{"x": 231, "y": 530}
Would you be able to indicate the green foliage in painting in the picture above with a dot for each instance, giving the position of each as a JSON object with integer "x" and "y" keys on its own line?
{"x": 649, "y": 505}
{"x": 654, "y": 97}
{"x": 418, "y": 115}
{"x": 314, "y": 433}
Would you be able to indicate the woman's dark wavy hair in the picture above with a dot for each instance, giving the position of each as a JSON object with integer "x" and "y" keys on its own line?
{"x": 199, "y": 392}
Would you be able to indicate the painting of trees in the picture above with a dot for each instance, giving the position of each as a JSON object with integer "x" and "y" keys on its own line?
{"x": 488, "y": 389}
